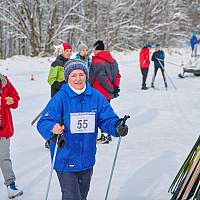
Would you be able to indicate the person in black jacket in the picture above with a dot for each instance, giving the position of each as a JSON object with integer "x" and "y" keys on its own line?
{"x": 158, "y": 59}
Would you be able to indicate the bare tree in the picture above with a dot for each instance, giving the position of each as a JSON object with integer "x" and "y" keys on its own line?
{"x": 32, "y": 27}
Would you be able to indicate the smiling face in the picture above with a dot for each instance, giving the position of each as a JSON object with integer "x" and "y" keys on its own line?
{"x": 77, "y": 79}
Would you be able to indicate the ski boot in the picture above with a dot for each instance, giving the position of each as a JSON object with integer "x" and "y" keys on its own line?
{"x": 108, "y": 139}
{"x": 103, "y": 139}
{"x": 152, "y": 85}
{"x": 144, "y": 88}
{"x": 13, "y": 191}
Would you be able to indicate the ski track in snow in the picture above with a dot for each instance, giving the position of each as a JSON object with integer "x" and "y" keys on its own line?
{"x": 162, "y": 129}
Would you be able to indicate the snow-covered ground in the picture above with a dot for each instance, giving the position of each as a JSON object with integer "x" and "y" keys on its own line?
{"x": 162, "y": 129}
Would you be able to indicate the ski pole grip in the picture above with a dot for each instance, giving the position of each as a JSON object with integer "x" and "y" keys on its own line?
{"x": 124, "y": 119}
{"x": 62, "y": 124}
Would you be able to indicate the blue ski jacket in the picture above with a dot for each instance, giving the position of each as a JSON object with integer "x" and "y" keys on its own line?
{"x": 158, "y": 55}
{"x": 66, "y": 106}
{"x": 193, "y": 41}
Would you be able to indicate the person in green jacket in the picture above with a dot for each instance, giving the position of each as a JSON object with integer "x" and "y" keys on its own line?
{"x": 56, "y": 72}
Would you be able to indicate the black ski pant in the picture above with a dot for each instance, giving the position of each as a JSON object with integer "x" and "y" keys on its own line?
{"x": 75, "y": 185}
{"x": 144, "y": 76}
{"x": 54, "y": 91}
{"x": 163, "y": 74}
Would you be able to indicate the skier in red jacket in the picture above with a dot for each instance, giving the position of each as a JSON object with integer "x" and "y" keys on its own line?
{"x": 8, "y": 99}
{"x": 144, "y": 64}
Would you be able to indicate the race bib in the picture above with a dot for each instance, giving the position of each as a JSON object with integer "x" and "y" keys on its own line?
{"x": 82, "y": 122}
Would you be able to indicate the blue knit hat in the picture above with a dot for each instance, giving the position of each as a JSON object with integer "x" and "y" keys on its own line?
{"x": 72, "y": 65}
{"x": 158, "y": 46}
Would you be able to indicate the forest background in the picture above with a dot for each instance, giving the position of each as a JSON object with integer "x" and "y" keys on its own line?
{"x": 33, "y": 27}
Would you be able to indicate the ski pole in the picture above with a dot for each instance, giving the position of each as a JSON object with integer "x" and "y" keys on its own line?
{"x": 115, "y": 158}
{"x": 167, "y": 75}
{"x": 52, "y": 166}
{"x": 171, "y": 63}
{"x": 36, "y": 118}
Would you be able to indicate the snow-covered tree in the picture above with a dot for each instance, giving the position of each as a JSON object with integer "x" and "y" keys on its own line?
{"x": 32, "y": 27}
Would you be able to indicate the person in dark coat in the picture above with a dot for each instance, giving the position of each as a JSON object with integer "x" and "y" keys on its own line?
{"x": 144, "y": 64}
{"x": 104, "y": 76}
{"x": 158, "y": 59}
{"x": 75, "y": 113}
{"x": 8, "y": 100}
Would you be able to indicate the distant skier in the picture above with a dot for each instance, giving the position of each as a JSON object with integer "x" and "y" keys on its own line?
{"x": 144, "y": 64}
{"x": 8, "y": 99}
{"x": 193, "y": 42}
{"x": 82, "y": 109}
{"x": 105, "y": 77}
{"x": 158, "y": 59}
{"x": 83, "y": 55}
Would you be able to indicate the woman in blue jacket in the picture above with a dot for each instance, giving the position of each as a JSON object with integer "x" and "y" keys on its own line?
{"x": 76, "y": 112}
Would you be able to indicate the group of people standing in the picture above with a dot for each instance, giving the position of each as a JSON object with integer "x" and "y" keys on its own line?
{"x": 81, "y": 91}
{"x": 158, "y": 59}
{"x": 103, "y": 73}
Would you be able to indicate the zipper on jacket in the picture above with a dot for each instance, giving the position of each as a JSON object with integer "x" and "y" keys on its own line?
{"x": 82, "y": 136}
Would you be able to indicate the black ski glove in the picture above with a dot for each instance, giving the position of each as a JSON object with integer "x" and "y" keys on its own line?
{"x": 61, "y": 140}
{"x": 122, "y": 129}
{"x": 116, "y": 90}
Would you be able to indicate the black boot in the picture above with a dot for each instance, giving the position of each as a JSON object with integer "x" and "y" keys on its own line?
{"x": 144, "y": 88}
{"x": 103, "y": 139}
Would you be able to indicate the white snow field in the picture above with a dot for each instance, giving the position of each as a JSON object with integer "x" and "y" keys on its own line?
{"x": 162, "y": 129}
